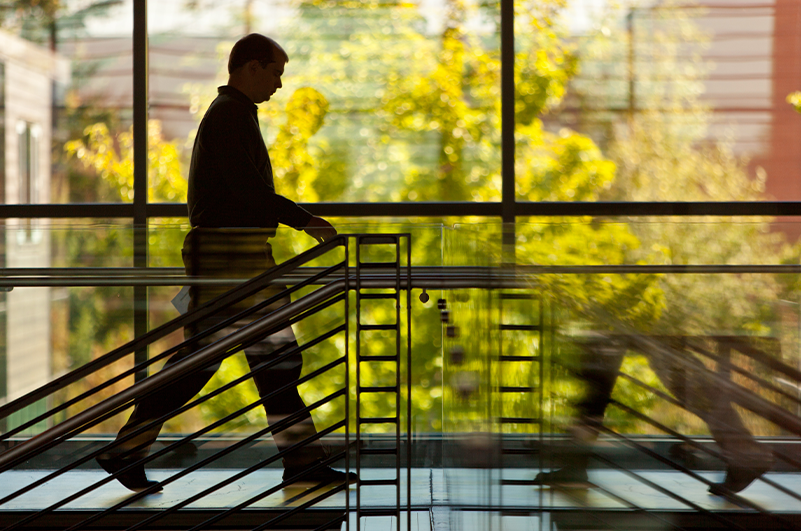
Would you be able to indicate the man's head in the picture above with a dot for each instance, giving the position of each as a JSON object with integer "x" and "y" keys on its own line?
{"x": 255, "y": 66}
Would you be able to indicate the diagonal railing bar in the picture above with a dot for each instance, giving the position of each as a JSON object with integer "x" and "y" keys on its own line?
{"x": 694, "y": 443}
{"x": 630, "y": 504}
{"x": 776, "y": 452}
{"x": 125, "y": 406}
{"x": 786, "y": 524}
{"x": 186, "y": 343}
{"x": 741, "y": 395}
{"x": 272, "y": 490}
{"x": 287, "y": 502}
{"x": 262, "y": 366}
{"x": 231, "y": 297}
{"x": 201, "y": 358}
{"x": 277, "y": 428}
{"x": 750, "y": 375}
{"x": 247, "y": 471}
{"x": 277, "y": 519}
{"x": 653, "y": 485}
{"x": 120, "y": 408}
{"x": 334, "y": 289}
{"x": 770, "y": 362}
{"x": 330, "y": 524}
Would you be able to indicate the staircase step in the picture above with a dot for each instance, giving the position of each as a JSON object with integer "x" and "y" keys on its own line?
{"x": 519, "y": 358}
{"x": 377, "y": 239}
{"x": 519, "y": 420}
{"x": 364, "y": 327}
{"x": 520, "y": 327}
{"x": 518, "y": 451}
{"x": 378, "y": 420}
{"x": 518, "y": 296}
{"x": 379, "y": 389}
{"x": 378, "y": 451}
{"x": 378, "y": 358}
{"x": 378, "y": 482}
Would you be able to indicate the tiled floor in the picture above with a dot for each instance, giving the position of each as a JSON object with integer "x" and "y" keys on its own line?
{"x": 618, "y": 490}
{"x": 435, "y": 493}
{"x": 193, "y": 483}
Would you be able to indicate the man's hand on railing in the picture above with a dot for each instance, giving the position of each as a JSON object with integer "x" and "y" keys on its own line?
{"x": 320, "y": 229}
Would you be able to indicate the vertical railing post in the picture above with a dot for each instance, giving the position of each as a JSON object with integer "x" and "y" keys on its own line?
{"x": 508, "y": 199}
{"x": 140, "y": 116}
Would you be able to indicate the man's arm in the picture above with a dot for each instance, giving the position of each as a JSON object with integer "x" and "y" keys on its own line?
{"x": 320, "y": 229}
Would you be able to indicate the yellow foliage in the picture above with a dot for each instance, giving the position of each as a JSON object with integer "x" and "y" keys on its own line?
{"x": 111, "y": 156}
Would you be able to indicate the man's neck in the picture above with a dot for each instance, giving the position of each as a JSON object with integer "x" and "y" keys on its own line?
{"x": 242, "y": 87}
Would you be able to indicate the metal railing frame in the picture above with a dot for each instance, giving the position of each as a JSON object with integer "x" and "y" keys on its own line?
{"x": 431, "y": 277}
{"x": 334, "y": 282}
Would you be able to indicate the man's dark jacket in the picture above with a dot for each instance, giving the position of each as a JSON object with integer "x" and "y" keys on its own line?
{"x": 230, "y": 178}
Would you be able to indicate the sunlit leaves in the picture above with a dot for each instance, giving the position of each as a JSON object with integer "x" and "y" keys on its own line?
{"x": 111, "y": 157}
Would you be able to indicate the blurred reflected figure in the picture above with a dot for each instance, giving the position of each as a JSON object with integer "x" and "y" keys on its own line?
{"x": 234, "y": 209}
{"x": 697, "y": 389}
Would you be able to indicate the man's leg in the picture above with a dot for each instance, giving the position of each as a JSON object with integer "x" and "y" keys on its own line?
{"x": 289, "y": 403}
{"x": 148, "y": 410}
{"x": 704, "y": 394}
{"x": 599, "y": 364}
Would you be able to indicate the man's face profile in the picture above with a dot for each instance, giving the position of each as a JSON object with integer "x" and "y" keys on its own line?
{"x": 268, "y": 78}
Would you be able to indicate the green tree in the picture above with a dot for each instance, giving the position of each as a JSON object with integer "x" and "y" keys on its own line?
{"x": 644, "y": 87}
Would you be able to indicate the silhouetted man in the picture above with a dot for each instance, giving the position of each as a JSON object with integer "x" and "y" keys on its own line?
{"x": 695, "y": 388}
{"x": 233, "y": 209}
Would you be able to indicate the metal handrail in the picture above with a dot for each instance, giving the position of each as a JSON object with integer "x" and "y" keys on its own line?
{"x": 435, "y": 209}
{"x": 237, "y": 294}
{"x": 428, "y": 277}
{"x": 199, "y": 359}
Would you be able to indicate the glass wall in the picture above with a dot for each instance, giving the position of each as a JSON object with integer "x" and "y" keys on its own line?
{"x": 657, "y": 102}
{"x": 67, "y": 91}
{"x": 382, "y": 101}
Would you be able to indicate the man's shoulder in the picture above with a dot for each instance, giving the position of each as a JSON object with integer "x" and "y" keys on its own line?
{"x": 225, "y": 104}
{"x": 224, "y": 113}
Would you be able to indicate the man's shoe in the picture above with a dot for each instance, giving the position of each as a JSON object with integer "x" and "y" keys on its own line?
{"x": 564, "y": 477}
{"x": 134, "y": 479}
{"x": 324, "y": 475}
{"x": 738, "y": 478}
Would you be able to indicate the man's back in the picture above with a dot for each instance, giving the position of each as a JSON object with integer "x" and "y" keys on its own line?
{"x": 230, "y": 177}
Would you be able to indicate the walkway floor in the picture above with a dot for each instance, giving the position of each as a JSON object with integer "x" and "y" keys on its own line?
{"x": 443, "y": 499}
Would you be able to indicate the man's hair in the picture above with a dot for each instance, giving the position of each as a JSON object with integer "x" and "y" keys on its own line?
{"x": 255, "y": 46}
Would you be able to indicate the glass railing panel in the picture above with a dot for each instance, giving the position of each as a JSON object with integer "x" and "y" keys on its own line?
{"x": 700, "y": 318}
{"x": 52, "y": 325}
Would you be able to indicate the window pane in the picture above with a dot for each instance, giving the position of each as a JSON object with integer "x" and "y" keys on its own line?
{"x": 67, "y": 81}
{"x": 673, "y": 102}
{"x": 381, "y": 101}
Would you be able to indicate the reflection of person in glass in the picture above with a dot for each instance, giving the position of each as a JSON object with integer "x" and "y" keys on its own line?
{"x": 694, "y": 387}
{"x": 233, "y": 210}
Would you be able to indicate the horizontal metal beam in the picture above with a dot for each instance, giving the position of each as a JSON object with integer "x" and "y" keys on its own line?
{"x": 659, "y": 208}
{"x": 434, "y": 209}
{"x": 422, "y": 277}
